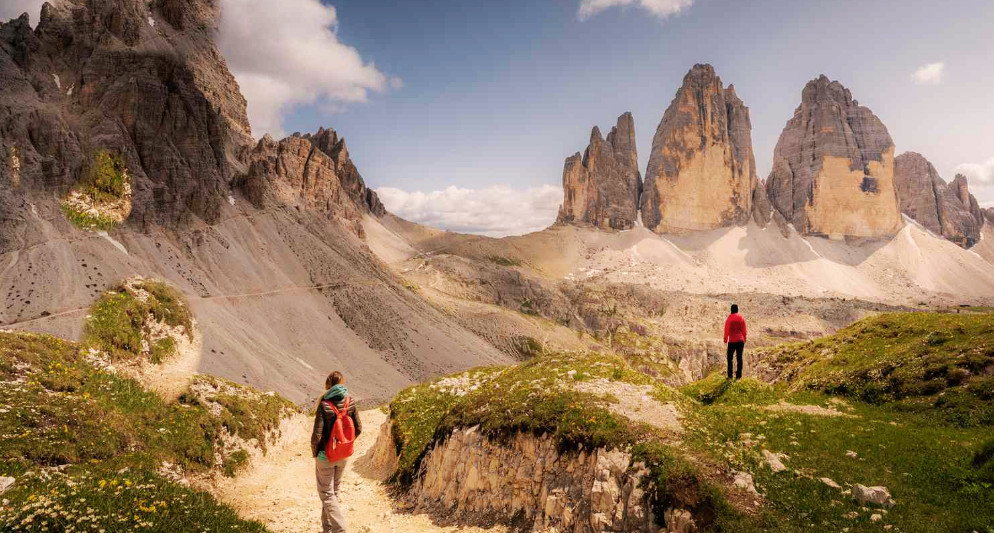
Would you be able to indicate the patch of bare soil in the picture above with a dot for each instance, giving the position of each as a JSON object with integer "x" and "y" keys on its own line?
{"x": 814, "y": 410}
{"x": 636, "y": 403}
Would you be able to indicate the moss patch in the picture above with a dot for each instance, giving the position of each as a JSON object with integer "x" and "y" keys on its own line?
{"x": 102, "y": 198}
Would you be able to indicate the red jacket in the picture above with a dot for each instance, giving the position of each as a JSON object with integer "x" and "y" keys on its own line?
{"x": 735, "y": 328}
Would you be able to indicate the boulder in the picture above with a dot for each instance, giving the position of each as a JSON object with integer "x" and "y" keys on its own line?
{"x": 702, "y": 171}
{"x": 602, "y": 186}
{"x": 6, "y": 483}
{"x": 833, "y": 167}
{"x": 924, "y": 196}
{"x": 872, "y": 495}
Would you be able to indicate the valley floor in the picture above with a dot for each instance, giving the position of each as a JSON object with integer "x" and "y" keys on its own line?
{"x": 279, "y": 490}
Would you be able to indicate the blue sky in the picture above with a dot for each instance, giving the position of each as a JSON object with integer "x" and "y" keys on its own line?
{"x": 490, "y": 96}
{"x": 499, "y": 93}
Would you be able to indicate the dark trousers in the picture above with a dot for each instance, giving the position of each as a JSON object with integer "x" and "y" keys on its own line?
{"x": 735, "y": 348}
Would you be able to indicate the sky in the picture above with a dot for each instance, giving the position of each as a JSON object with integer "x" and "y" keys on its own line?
{"x": 461, "y": 113}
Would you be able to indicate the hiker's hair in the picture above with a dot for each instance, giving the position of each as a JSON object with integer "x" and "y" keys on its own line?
{"x": 335, "y": 378}
{"x": 735, "y": 308}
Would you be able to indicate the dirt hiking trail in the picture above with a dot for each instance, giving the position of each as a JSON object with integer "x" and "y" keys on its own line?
{"x": 279, "y": 490}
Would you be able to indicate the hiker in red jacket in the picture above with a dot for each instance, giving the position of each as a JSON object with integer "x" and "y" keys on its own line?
{"x": 735, "y": 337}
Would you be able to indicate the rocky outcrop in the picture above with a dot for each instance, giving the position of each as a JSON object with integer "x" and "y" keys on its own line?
{"x": 313, "y": 172}
{"x": 989, "y": 215}
{"x": 962, "y": 190}
{"x": 925, "y": 197}
{"x": 702, "y": 171}
{"x": 145, "y": 81}
{"x": 585, "y": 492}
{"x": 100, "y": 75}
{"x": 833, "y": 167}
{"x": 602, "y": 186}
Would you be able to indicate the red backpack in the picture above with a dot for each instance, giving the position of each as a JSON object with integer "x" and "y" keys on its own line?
{"x": 341, "y": 442}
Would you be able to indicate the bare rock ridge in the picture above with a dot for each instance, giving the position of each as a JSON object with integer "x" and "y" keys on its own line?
{"x": 314, "y": 172}
{"x": 833, "y": 167}
{"x": 602, "y": 186}
{"x": 146, "y": 81}
{"x": 702, "y": 170}
{"x": 946, "y": 210}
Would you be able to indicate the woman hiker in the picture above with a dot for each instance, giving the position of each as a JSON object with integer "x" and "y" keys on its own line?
{"x": 336, "y": 426}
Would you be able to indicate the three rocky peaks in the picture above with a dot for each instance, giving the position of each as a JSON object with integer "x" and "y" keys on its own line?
{"x": 834, "y": 172}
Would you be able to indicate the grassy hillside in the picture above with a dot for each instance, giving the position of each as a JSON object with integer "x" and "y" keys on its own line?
{"x": 939, "y": 365}
{"x": 90, "y": 448}
{"x": 850, "y": 408}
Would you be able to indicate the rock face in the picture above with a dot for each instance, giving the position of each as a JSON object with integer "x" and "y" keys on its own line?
{"x": 962, "y": 190}
{"x": 925, "y": 197}
{"x": 313, "y": 172}
{"x": 702, "y": 171}
{"x": 833, "y": 167}
{"x": 136, "y": 78}
{"x": 582, "y": 492}
{"x": 602, "y": 186}
{"x": 989, "y": 215}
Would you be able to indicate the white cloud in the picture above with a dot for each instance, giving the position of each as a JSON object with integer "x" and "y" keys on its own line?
{"x": 659, "y": 8}
{"x": 287, "y": 53}
{"x": 979, "y": 174}
{"x": 930, "y": 74}
{"x": 11, "y": 9}
{"x": 495, "y": 211}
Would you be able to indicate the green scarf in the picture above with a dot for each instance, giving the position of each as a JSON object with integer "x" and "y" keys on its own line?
{"x": 336, "y": 392}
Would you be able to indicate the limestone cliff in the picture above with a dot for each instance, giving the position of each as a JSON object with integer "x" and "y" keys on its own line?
{"x": 591, "y": 492}
{"x": 833, "y": 167}
{"x": 925, "y": 197}
{"x": 702, "y": 170}
{"x": 142, "y": 80}
{"x": 962, "y": 191}
{"x": 602, "y": 186}
{"x": 313, "y": 172}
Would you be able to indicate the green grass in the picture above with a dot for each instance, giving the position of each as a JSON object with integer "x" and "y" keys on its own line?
{"x": 927, "y": 468}
{"x": 504, "y": 261}
{"x": 717, "y": 389}
{"x": 110, "y": 497}
{"x": 84, "y": 220}
{"x": 245, "y": 412}
{"x": 120, "y": 321}
{"x": 59, "y": 406}
{"x": 937, "y": 364}
{"x": 983, "y": 462}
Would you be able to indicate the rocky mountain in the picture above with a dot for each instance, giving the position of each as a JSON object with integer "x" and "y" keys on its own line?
{"x": 833, "y": 167}
{"x": 313, "y": 171}
{"x": 925, "y": 197}
{"x": 145, "y": 81}
{"x": 702, "y": 170}
{"x": 602, "y": 186}
{"x": 962, "y": 189}
{"x": 132, "y": 99}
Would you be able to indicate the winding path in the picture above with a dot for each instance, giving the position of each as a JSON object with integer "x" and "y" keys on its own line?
{"x": 279, "y": 490}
